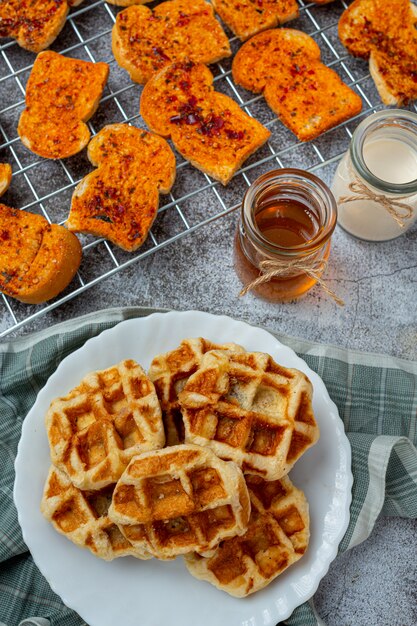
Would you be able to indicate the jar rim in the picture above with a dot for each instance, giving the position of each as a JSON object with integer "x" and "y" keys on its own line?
{"x": 296, "y": 176}
{"x": 394, "y": 117}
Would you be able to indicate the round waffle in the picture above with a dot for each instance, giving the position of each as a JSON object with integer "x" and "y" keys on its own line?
{"x": 82, "y": 517}
{"x": 178, "y": 500}
{"x": 170, "y": 371}
{"x": 94, "y": 431}
{"x": 250, "y": 410}
{"x": 277, "y": 536}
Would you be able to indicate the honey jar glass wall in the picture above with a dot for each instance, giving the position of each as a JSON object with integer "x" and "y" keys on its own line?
{"x": 375, "y": 184}
{"x": 283, "y": 236}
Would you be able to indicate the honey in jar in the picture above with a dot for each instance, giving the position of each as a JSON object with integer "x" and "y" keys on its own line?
{"x": 287, "y": 217}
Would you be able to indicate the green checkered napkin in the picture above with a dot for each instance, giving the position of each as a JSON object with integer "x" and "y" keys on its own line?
{"x": 376, "y": 396}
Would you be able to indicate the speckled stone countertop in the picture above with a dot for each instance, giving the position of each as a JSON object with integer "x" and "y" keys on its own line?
{"x": 374, "y": 584}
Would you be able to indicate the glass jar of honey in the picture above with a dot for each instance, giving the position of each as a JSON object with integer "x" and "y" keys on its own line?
{"x": 282, "y": 241}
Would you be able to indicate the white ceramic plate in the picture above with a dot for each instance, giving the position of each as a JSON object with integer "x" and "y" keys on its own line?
{"x": 150, "y": 593}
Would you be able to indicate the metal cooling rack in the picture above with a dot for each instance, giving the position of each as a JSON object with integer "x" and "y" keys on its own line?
{"x": 46, "y": 187}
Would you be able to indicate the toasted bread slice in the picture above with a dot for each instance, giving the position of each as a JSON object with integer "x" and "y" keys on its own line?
{"x": 119, "y": 200}
{"x": 145, "y": 41}
{"x": 384, "y": 32}
{"x": 375, "y": 24}
{"x": 208, "y": 128}
{"x": 5, "y": 177}
{"x": 36, "y": 24}
{"x": 308, "y": 97}
{"x": 396, "y": 82}
{"x": 38, "y": 260}
{"x": 61, "y": 95}
{"x": 246, "y": 17}
{"x": 127, "y": 3}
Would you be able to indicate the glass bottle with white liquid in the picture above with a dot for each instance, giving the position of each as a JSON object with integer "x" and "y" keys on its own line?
{"x": 375, "y": 184}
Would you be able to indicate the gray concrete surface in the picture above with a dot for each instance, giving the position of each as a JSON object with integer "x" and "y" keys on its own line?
{"x": 374, "y": 584}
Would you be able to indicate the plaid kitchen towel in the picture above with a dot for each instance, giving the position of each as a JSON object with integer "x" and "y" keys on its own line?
{"x": 376, "y": 396}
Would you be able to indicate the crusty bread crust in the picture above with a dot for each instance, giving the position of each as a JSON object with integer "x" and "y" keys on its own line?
{"x": 246, "y": 17}
{"x": 145, "y": 41}
{"x": 394, "y": 88}
{"x": 5, "y": 177}
{"x": 36, "y": 24}
{"x": 61, "y": 95}
{"x": 308, "y": 97}
{"x": 208, "y": 128}
{"x": 384, "y": 32}
{"x": 119, "y": 200}
{"x": 38, "y": 260}
{"x": 368, "y": 25}
{"x": 127, "y": 3}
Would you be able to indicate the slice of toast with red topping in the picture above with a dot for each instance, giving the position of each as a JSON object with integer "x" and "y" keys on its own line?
{"x": 35, "y": 24}
{"x": 245, "y": 18}
{"x": 61, "y": 95}
{"x": 38, "y": 260}
{"x": 384, "y": 32}
{"x": 208, "y": 128}
{"x": 119, "y": 200}
{"x": 284, "y": 65}
{"x": 5, "y": 177}
{"x": 127, "y": 3}
{"x": 145, "y": 41}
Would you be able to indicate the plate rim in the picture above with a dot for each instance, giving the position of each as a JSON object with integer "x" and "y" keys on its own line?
{"x": 348, "y": 478}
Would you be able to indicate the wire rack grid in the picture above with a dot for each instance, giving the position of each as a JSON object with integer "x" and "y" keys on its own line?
{"x": 45, "y": 187}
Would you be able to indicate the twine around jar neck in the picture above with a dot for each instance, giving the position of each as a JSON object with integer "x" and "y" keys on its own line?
{"x": 309, "y": 265}
{"x": 399, "y": 211}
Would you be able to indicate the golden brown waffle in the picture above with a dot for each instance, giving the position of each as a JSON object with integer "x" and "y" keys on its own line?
{"x": 170, "y": 371}
{"x": 178, "y": 500}
{"x": 95, "y": 430}
{"x": 277, "y": 536}
{"x": 250, "y": 410}
{"x": 82, "y": 517}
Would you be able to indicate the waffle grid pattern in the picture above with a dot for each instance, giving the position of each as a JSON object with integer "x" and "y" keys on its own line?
{"x": 82, "y": 517}
{"x": 277, "y": 536}
{"x": 46, "y": 187}
{"x": 231, "y": 405}
{"x": 178, "y": 500}
{"x": 96, "y": 429}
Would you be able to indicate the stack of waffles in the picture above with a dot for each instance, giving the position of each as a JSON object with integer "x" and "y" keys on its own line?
{"x": 190, "y": 459}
